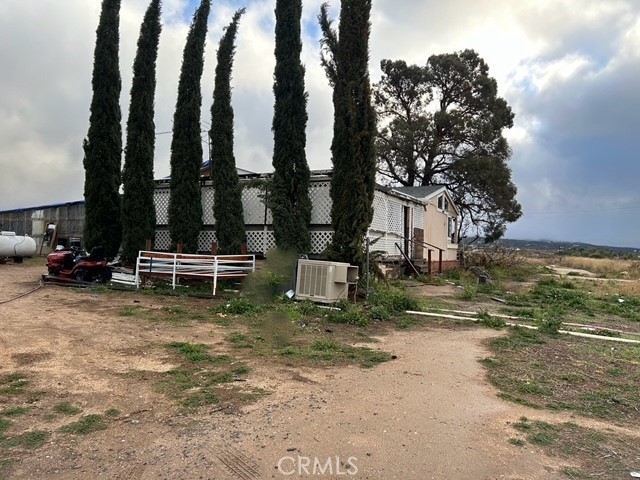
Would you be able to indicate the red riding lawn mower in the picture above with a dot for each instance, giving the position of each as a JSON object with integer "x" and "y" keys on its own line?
{"x": 76, "y": 264}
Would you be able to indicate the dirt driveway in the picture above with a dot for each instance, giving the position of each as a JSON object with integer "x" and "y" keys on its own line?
{"x": 429, "y": 413}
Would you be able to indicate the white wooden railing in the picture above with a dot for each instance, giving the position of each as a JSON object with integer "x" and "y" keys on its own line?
{"x": 181, "y": 265}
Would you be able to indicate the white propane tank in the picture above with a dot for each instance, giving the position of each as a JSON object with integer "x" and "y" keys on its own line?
{"x": 12, "y": 245}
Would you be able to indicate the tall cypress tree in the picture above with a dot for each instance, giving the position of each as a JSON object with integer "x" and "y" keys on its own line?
{"x": 103, "y": 145}
{"x": 352, "y": 148}
{"x": 185, "y": 207}
{"x": 138, "y": 210}
{"x": 227, "y": 206}
{"x": 290, "y": 203}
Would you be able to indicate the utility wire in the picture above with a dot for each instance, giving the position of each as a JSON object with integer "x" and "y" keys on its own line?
{"x": 595, "y": 210}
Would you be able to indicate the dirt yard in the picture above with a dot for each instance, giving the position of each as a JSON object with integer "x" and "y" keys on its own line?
{"x": 427, "y": 414}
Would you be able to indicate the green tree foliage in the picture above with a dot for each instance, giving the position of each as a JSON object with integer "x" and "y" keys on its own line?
{"x": 345, "y": 57}
{"x": 227, "y": 202}
{"x": 443, "y": 124}
{"x": 138, "y": 210}
{"x": 185, "y": 207}
{"x": 290, "y": 203}
{"x": 103, "y": 145}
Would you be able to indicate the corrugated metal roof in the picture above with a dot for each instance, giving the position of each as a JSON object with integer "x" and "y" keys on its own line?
{"x": 43, "y": 207}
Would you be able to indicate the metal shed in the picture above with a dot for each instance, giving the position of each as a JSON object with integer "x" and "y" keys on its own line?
{"x": 68, "y": 218}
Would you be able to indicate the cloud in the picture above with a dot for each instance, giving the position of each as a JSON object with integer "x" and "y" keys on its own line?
{"x": 569, "y": 73}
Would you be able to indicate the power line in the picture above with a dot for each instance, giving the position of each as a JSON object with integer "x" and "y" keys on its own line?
{"x": 595, "y": 210}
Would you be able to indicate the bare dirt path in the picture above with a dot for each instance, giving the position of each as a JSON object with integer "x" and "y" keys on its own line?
{"x": 427, "y": 414}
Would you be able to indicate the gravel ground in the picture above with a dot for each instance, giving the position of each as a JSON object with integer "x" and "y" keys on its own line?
{"x": 427, "y": 414}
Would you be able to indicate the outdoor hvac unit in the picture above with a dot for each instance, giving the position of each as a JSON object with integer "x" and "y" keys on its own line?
{"x": 325, "y": 282}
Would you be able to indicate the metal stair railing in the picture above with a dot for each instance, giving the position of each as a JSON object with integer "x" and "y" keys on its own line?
{"x": 430, "y": 248}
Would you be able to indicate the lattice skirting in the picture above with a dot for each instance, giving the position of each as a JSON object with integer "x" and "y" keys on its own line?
{"x": 163, "y": 240}
{"x": 259, "y": 241}
{"x": 205, "y": 239}
{"x": 320, "y": 240}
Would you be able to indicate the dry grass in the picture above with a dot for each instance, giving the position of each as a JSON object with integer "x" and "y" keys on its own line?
{"x": 602, "y": 266}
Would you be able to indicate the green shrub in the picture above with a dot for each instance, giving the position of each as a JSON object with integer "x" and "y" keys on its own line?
{"x": 491, "y": 321}
{"x": 470, "y": 292}
{"x": 241, "y": 306}
{"x": 551, "y": 326}
{"x": 393, "y": 300}
{"x": 379, "y": 313}
{"x": 351, "y": 316}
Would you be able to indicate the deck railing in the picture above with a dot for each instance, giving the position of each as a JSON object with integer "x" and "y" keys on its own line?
{"x": 180, "y": 265}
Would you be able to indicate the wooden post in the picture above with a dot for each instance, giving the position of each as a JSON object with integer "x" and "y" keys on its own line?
{"x": 214, "y": 248}
{"x": 179, "y": 247}
{"x": 148, "y": 245}
{"x": 429, "y": 261}
{"x": 440, "y": 262}
{"x": 243, "y": 248}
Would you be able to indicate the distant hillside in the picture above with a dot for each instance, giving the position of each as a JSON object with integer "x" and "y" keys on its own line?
{"x": 551, "y": 246}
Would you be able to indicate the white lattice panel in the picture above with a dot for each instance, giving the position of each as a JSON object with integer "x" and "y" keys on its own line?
{"x": 161, "y": 201}
{"x": 270, "y": 242}
{"x": 207, "y": 207}
{"x": 379, "y": 221}
{"x": 162, "y": 241}
{"x": 418, "y": 217}
{"x": 255, "y": 241}
{"x": 394, "y": 216}
{"x": 253, "y": 206}
{"x": 320, "y": 195}
{"x": 320, "y": 241}
{"x": 205, "y": 238}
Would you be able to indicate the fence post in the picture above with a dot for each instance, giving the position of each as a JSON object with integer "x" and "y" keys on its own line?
{"x": 215, "y": 276}
{"x": 175, "y": 266}
{"x": 138, "y": 272}
{"x": 429, "y": 260}
{"x": 440, "y": 262}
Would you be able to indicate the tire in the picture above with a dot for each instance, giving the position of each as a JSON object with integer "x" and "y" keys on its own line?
{"x": 105, "y": 275}
{"x": 80, "y": 275}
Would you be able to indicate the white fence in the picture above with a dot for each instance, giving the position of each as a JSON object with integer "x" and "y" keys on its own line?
{"x": 180, "y": 265}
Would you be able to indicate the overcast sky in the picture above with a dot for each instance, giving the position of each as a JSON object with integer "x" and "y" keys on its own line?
{"x": 570, "y": 70}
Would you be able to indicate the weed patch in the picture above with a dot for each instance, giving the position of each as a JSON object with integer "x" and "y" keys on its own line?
{"x": 567, "y": 373}
{"x": 14, "y": 411}
{"x": 132, "y": 311}
{"x": 351, "y": 316}
{"x": 331, "y": 351}
{"x": 241, "y": 306}
{"x": 198, "y": 381}
{"x": 393, "y": 300}
{"x": 599, "y": 454}
{"x": 196, "y": 352}
{"x": 33, "y": 439}
{"x": 469, "y": 293}
{"x": 13, "y": 384}
{"x": 87, "y": 424}
{"x": 490, "y": 321}
{"x": 66, "y": 408}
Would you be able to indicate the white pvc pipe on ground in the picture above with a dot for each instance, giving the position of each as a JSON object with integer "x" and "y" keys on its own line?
{"x": 511, "y": 317}
{"x": 531, "y": 327}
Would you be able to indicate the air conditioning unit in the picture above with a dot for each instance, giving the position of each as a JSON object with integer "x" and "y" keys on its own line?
{"x": 325, "y": 282}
